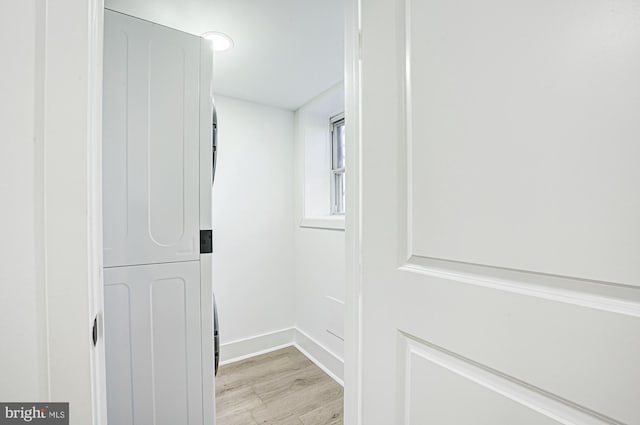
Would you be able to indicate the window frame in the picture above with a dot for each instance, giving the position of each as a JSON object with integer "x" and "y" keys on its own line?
{"x": 335, "y": 122}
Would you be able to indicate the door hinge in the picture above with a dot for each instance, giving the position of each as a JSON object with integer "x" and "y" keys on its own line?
{"x": 206, "y": 241}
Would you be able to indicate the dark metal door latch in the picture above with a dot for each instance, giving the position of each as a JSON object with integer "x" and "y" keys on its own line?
{"x": 94, "y": 332}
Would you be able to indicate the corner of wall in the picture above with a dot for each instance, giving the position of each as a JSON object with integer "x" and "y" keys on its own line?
{"x": 329, "y": 362}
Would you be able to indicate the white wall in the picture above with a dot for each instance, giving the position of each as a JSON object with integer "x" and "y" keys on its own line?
{"x": 271, "y": 271}
{"x": 319, "y": 251}
{"x": 252, "y": 226}
{"x": 21, "y": 320}
{"x": 320, "y": 292}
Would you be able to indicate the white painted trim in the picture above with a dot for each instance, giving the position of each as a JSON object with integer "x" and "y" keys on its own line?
{"x": 71, "y": 102}
{"x": 320, "y": 365}
{"x": 246, "y": 348}
{"x": 257, "y": 353}
{"x": 353, "y": 234}
{"x": 324, "y": 358}
{"x": 332, "y": 222}
{"x": 519, "y": 392}
{"x": 530, "y": 284}
{"x": 95, "y": 231}
{"x": 243, "y": 348}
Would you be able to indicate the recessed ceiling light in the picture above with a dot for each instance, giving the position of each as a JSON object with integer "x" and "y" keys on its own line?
{"x": 219, "y": 41}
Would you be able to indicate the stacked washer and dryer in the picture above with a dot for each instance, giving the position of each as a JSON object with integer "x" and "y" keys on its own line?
{"x": 157, "y": 188}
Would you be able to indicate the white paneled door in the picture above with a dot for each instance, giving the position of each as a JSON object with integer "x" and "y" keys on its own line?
{"x": 153, "y": 349}
{"x": 500, "y": 212}
{"x": 151, "y": 142}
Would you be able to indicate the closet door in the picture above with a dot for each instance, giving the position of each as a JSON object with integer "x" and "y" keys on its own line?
{"x": 153, "y": 344}
{"x": 151, "y": 143}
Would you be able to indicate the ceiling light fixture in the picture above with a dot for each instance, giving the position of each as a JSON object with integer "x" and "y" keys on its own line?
{"x": 219, "y": 41}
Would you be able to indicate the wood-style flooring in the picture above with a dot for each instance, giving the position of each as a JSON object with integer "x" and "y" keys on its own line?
{"x": 278, "y": 388}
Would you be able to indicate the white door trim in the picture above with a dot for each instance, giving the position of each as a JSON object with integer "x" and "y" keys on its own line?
{"x": 69, "y": 102}
{"x": 353, "y": 316}
{"x": 99, "y": 380}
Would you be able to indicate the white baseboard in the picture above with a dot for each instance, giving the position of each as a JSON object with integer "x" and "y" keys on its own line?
{"x": 324, "y": 358}
{"x": 245, "y": 348}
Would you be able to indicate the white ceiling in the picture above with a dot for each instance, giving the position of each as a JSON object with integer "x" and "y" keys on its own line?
{"x": 286, "y": 51}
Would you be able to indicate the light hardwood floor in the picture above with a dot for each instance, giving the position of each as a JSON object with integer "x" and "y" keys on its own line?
{"x": 278, "y": 388}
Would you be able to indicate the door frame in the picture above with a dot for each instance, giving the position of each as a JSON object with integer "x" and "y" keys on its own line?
{"x": 68, "y": 190}
{"x": 353, "y": 225}
{"x": 92, "y": 69}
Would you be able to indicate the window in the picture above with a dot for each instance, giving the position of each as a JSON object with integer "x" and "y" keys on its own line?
{"x": 337, "y": 165}
{"x": 321, "y": 132}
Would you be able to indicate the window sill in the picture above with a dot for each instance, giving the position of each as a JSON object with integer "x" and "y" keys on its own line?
{"x": 330, "y": 222}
